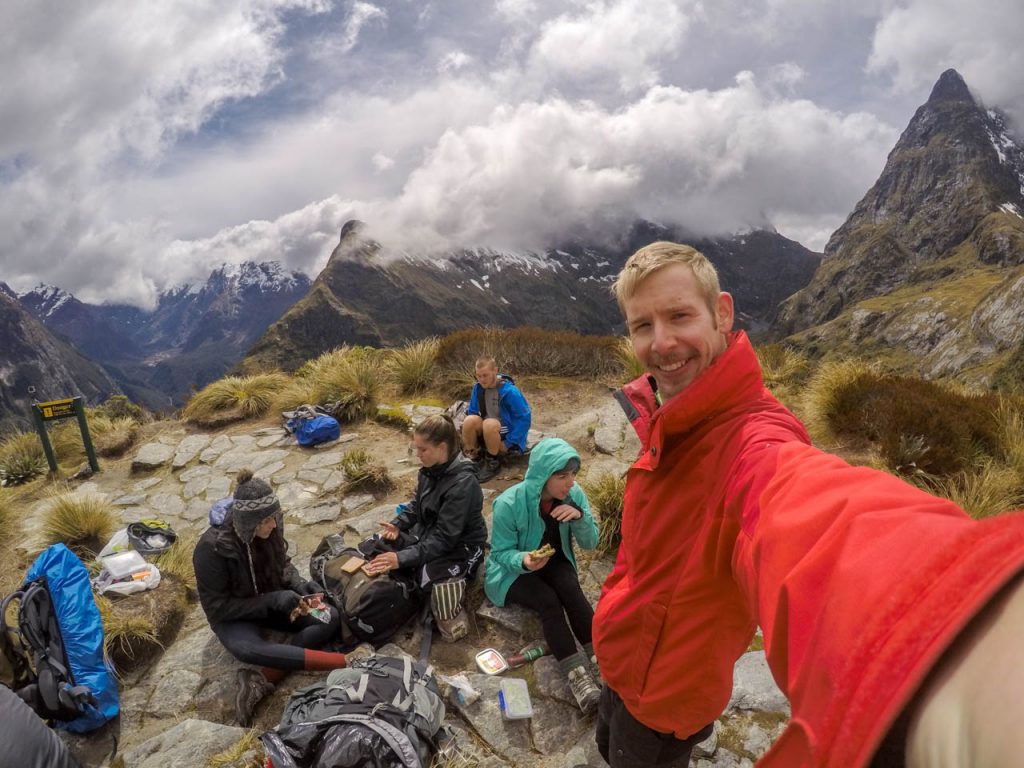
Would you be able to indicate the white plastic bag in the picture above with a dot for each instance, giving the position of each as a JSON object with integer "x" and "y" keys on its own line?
{"x": 118, "y": 543}
{"x": 126, "y": 573}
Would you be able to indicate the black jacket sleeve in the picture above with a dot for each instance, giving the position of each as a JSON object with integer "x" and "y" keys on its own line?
{"x": 212, "y": 583}
{"x": 463, "y": 499}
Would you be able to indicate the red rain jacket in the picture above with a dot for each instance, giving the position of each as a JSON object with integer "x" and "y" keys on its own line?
{"x": 731, "y": 519}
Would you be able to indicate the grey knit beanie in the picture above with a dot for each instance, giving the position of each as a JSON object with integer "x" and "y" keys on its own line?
{"x": 254, "y": 501}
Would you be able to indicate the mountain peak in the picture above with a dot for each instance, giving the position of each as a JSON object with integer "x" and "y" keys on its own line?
{"x": 950, "y": 87}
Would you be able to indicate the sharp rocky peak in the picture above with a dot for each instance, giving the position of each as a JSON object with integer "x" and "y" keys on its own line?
{"x": 950, "y": 87}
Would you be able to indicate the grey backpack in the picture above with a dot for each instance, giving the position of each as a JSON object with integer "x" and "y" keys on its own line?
{"x": 380, "y": 711}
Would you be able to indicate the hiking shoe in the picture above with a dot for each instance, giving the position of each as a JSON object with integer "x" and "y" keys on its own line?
{"x": 584, "y": 689}
{"x": 252, "y": 689}
{"x": 488, "y": 469}
{"x": 595, "y": 671}
{"x": 453, "y": 629}
{"x": 361, "y": 651}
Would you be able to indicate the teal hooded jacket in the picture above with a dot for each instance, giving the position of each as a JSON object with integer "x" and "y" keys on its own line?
{"x": 517, "y": 527}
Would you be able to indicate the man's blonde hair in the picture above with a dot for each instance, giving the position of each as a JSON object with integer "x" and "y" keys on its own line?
{"x": 655, "y": 256}
{"x": 485, "y": 361}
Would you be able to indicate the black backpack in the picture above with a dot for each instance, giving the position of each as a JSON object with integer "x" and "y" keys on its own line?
{"x": 372, "y": 608}
{"x": 381, "y": 711}
{"x": 50, "y": 691}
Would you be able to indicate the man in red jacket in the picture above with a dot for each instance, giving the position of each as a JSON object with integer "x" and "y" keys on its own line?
{"x": 880, "y": 604}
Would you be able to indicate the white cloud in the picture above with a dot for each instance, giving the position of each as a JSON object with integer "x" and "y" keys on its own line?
{"x": 619, "y": 40}
{"x": 453, "y": 61}
{"x": 361, "y": 14}
{"x": 915, "y": 42}
{"x": 382, "y": 162}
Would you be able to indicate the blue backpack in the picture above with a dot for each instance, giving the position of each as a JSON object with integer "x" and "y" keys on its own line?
{"x": 318, "y": 429}
{"x": 60, "y": 630}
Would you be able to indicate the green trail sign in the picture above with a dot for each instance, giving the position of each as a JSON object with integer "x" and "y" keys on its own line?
{"x": 54, "y": 410}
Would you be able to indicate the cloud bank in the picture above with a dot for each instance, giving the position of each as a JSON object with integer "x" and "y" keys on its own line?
{"x": 144, "y": 144}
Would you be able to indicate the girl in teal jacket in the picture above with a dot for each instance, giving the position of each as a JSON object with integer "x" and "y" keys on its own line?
{"x": 547, "y": 511}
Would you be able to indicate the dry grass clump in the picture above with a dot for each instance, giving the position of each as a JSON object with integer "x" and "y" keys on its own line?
{"x": 177, "y": 561}
{"x": 414, "y": 366}
{"x": 118, "y": 407}
{"x": 250, "y": 742}
{"x": 126, "y": 636}
{"x": 821, "y": 395}
{"x": 782, "y": 367}
{"x": 364, "y": 473}
{"x": 347, "y": 381}
{"x": 983, "y": 491}
{"x": 351, "y": 388}
{"x": 83, "y": 522}
{"x": 917, "y": 425}
{"x": 632, "y": 368}
{"x": 605, "y": 494}
{"x": 394, "y": 417}
{"x": 21, "y": 459}
{"x": 526, "y": 351}
{"x": 234, "y": 398}
{"x": 113, "y": 436}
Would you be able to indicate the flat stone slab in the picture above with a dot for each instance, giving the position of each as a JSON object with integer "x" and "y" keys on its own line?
{"x": 190, "y": 742}
{"x": 145, "y": 485}
{"x": 152, "y": 456}
{"x": 368, "y": 523}
{"x": 754, "y": 688}
{"x": 188, "y": 449}
{"x": 219, "y": 444}
{"x": 512, "y": 617}
{"x": 247, "y": 456}
{"x": 321, "y": 460}
{"x": 277, "y": 439}
{"x": 319, "y": 513}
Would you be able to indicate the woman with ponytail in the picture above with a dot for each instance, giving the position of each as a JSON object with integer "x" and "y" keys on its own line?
{"x": 247, "y": 584}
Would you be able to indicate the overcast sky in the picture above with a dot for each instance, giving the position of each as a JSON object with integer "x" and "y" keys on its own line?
{"x": 143, "y": 143}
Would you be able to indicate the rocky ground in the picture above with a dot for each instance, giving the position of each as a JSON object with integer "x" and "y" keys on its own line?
{"x": 178, "y": 709}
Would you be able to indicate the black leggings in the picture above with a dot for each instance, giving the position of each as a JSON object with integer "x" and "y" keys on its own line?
{"x": 244, "y": 640}
{"x": 554, "y": 592}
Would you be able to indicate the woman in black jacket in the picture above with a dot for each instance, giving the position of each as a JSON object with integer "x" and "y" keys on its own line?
{"x": 437, "y": 538}
{"x": 247, "y": 583}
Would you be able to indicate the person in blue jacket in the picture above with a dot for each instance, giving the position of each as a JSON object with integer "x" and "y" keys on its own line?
{"x": 498, "y": 416}
{"x": 532, "y": 563}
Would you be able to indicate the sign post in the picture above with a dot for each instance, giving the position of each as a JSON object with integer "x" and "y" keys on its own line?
{"x": 54, "y": 410}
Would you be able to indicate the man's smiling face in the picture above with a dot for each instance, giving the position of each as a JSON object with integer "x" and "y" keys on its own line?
{"x": 674, "y": 333}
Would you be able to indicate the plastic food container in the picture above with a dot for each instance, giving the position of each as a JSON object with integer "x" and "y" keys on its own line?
{"x": 491, "y": 662}
{"x": 514, "y": 698}
{"x": 124, "y": 564}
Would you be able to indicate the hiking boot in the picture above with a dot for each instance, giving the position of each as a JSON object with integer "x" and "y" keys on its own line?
{"x": 360, "y": 652}
{"x": 584, "y": 689}
{"x": 453, "y": 629}
{"x": 488, "y": 469}
{"x": 252, "y": 689}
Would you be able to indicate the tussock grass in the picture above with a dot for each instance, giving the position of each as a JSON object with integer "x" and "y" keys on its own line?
{"x": 237, "y": 397}
{"x": 230, "y": 756}
{"x": 782, "y": 366}
{"x": 1010, "y": 418}
{"x": 605, "y": 494}
{"x": 346, "y": 380}
{"x": 177, "y": 561}
{"x": 126, "y": 636}
{"x": 84, "y": 523}
{"x": 525, "y": 351}
{"x": 821, "y": 399}
{"x": 918, "y": 426}
{"x": 365, "y": 473}
{"x": 113, "y": 436}
{"x": 21, "y": 459}
{"x": 982, "y": 491}
{"x": 394, "y": 417}
{"x": 352, "y": 387}
{"x": 414, "y": 366}
{"x": 119, "y": 406}
{"x": 632, "y": 368}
